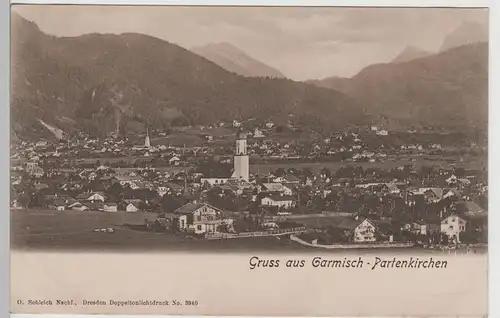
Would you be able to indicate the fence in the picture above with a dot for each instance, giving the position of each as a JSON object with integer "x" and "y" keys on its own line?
{"x": 218, "y": 236}
{"x": 306, "y": 216}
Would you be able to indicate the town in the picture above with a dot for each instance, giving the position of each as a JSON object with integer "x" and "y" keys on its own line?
{"x": 368, "y": 187}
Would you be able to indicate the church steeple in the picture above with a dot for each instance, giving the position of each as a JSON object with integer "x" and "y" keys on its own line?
{"x": 147, "y": 141}
{"x": 241, "y": 161}
{"x": 241, "y": 143}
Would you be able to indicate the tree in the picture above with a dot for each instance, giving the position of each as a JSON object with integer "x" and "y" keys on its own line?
{"x": 280, "y": 172}
{"x": 444, "y": 239}
{"x": 223, "y": 228}
{"x": 169, "y": 203}
{"x": 24, "y": 200}
{"x": 37, "y": 201}
{"x": 306, "y": 172}
{"x": 116, "y": 191}
{"x": 326, "y": 172}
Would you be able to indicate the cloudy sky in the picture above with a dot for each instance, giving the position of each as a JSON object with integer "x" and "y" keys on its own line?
{"x": 303, "y": 43}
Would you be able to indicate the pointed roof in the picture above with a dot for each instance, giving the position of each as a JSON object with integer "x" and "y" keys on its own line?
{"x": 191, "y": 207}
{"x": 241, "y": 134}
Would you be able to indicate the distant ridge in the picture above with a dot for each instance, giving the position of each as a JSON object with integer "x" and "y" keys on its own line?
{"x": 236, "y": 61}
{"x": 102, "y": 83}
{"x": 466, "y": 33}
{"x": 410, "y": 53}
{"x": 447, "y": 90}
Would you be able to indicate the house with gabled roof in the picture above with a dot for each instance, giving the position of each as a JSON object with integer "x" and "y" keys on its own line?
{"x": 452, "y": 226}
{"x": 468, "y": 208}
{"x": 92, "y": 197}
{"x": 110, "y": 207}
{"x": 201, "y": 218}
{"x": 358, "y": 229}
{"x": 281, "y": 201}
{"x": 78, "y": 206}
{"x": 132, "y": 205}
{"x": 276, "y": 187}
{"x": 452, "y": 193}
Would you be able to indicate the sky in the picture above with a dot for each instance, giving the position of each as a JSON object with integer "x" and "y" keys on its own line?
{"x": 303, "y": 43}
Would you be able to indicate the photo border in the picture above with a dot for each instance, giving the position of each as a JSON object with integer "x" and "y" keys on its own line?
{"x": 494, "y": 113}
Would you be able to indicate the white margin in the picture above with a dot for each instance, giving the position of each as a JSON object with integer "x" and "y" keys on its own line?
{"x": 312, "y": 3}
{"x": 493, "y": 134}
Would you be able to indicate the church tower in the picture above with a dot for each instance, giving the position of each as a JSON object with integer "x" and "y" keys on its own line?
{"x": 241, "y": 162}
{"x": 147, "y": 141}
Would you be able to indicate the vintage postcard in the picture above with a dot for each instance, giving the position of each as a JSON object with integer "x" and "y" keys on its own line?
{"x": 272, "y": 161}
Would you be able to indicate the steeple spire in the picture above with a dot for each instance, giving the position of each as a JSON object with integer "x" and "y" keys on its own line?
{"x": 147, "y": 142}
{"x": 241, "y": 162}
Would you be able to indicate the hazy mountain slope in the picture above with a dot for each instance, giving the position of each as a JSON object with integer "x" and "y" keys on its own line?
{"x": 466, "y": 33}
{"x": 103, "y": 82}
{"x": 410, "y": 53}
{"x": 236, "y": 61}
{"x": 447, "y": 90}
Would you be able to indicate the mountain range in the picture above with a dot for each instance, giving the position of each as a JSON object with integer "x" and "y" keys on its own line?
{"x": 236, "y": 61}
{"x": 447, "y": 90}
{"x": 466, "y": 33}
{"x": 108, "y": 82}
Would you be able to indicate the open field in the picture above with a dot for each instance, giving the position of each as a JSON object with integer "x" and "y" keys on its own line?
{"x": 73, "y": 231}
{"x": 387, "y": 163}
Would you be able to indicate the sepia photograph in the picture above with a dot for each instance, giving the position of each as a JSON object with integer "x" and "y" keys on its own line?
{"x": 334, "y": 134}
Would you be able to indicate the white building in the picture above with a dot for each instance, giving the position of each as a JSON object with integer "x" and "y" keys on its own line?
{"x": 452, "y": 226}
{"x": 96, "y": 196}
{"x": 359, "y": 230}
{"x": 276, "y": 187}
{"x": 110, "y": 207}
{"x": 257, "y": 133}
{"x": 269, "y": 124}
{"x": 174, "y": 160}
{"x": 131, "y": 207}
{"x": 214, "y": 181}
{"x": 147, "y": 141}
{"x": 201, "y": 218}
{"x": 281, "y": 201}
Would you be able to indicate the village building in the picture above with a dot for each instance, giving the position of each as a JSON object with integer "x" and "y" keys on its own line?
{"x": 78, "y": 206}
{"x": 281, "y": 201}
{"x": 91, "y": 197}
{"x": 34, "y": 169}
{"x": 174, "y": 161}
{"x": 452, "y": 226}
{"x": 269, "y": 125}
{"x": 241, "y": 160}
{"x": 258, "y": 133}
{"x": 133, "y": 205}
{"x": 358, "y": 230}
{"x": 417, "y": 227}
{"x": 201, "y": 218}
{"x": 214, "y": 181}
{"x": 110, "y": 207}
{"x": 276, "y": 188}
{"x": 452, "y": 193}
{"x": 59, "y": 204}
